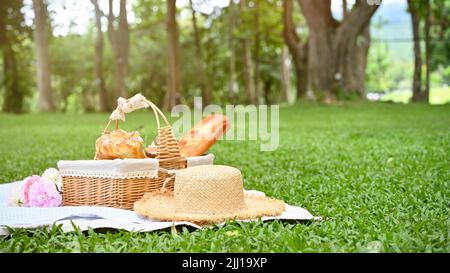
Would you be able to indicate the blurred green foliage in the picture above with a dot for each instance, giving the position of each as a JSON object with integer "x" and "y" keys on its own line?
{"x": 72, "y": 56}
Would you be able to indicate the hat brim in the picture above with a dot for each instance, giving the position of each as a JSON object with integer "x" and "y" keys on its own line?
{"x": 160, "y": 206}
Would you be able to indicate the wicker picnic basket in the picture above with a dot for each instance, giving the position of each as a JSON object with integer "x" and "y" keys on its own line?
{"x": 94, "y": 188}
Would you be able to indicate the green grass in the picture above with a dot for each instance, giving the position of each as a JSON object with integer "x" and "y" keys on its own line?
{"x": 439, "y": 95}
{"x": 379, "y": 175}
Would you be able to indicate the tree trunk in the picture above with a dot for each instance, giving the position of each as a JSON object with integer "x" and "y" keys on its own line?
{"x": 99, "y": 79}
{"x": 426, "y": 95}
{"x": 45, "y": 100}
{"x": 124, "y": 44}
{"x": 249, "y": 80}
{"x": 119, "y": 39}
{"x": 13, "y": 97}
{"x": 417, "y": 77}
{"x": 285, "y": 76}
{"x": 356, "y": 60}
{"x": 174, "y": 82}
{"x": 267, "y": 94}
{"x": 329, "y": 43}
{"x": 355, "y": 64}
{"x": 202, "y": 76}
{"x": 248, "y": 73}
{"x": 344, "y": 9}
{"x": 322, "y": 58}
{"x": 297, "y": 47}
{"x": 257, "y": 50}
{"x": 232, "y": 84}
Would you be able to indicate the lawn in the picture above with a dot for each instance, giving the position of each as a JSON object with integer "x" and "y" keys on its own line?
{"x": 378, "y": 174}
{"x": 438, "y": 95}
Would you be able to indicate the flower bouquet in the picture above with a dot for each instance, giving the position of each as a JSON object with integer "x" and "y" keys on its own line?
{"x": 39, "y": 191}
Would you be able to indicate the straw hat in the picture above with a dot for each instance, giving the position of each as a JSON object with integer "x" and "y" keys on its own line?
{"x": 209, "y": 193}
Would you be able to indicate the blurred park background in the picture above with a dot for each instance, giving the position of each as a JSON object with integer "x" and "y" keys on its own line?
{"x": 79, "y": 56}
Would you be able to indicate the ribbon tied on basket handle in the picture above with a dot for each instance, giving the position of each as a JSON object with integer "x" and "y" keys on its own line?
{"x": 121, "y": 144}
{"x": 127, "y": 106}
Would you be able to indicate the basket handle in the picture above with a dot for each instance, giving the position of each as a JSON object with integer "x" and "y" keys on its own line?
{"x": 167, "y": 143}
{"x": 157, "y": 111}
{"x": 120, "y": 111}
{"x": 169, "y": 176}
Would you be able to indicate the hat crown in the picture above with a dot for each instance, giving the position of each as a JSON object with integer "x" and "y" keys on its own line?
{"x": 209, "y": 189}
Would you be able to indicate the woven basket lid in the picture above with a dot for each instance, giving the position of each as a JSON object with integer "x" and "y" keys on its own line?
{"x": 210, "y": 193}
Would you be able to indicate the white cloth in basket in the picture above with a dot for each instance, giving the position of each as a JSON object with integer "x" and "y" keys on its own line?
{"x": 200, "y": 160}
{"x": 122, "y": 168}
{"x": 117, "y": 168}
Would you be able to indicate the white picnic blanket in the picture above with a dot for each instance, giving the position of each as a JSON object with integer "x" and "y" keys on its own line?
{"x": 85, "y": 217}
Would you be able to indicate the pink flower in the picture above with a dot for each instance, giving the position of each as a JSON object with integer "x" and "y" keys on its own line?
{"x": 25, "y": 192}
{"x": 39, "y": 192}
{"x": 43, "y": 193}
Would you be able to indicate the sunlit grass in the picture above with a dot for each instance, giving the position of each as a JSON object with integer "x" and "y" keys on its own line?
{"x": 439, "y": 95}
{"x": 377, "y": 173}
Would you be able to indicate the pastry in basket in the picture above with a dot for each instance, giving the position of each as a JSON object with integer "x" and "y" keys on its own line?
{"x": 151, "y": 151}
{"x": 203, "y": 135}
{"x": 119, "y": 144}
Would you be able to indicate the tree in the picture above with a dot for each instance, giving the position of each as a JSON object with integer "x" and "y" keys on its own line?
{"x": 427, "y": 48}
{"x": 415, "y": 8}
{"x": 99, "y": 79}
{"x": 344, "y": 8}
{"x": 174, "y": 82}
{"x": 298, "y": 47}
{"x": 151, "y": 43}
{"x": 355, "y": 63}
{"x": 257, "y": 50}
{"x": 435, "y": 36}
{"x": 203, "y": 79}
{"x": 232, "y": 81}
{"x": 285, "y": 75}
{"x": 330, "y": 44}
{"x": 417, "y": 76}
{"x": 11, "y": 22}
{"x": 248, "y": 70}
{"x": 120, "y": 40}
{"x": 440, "y": 36}
{"x": 45, "y": 101}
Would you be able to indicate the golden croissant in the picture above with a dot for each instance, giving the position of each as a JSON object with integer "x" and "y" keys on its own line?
{"x": 119, "y": 144}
